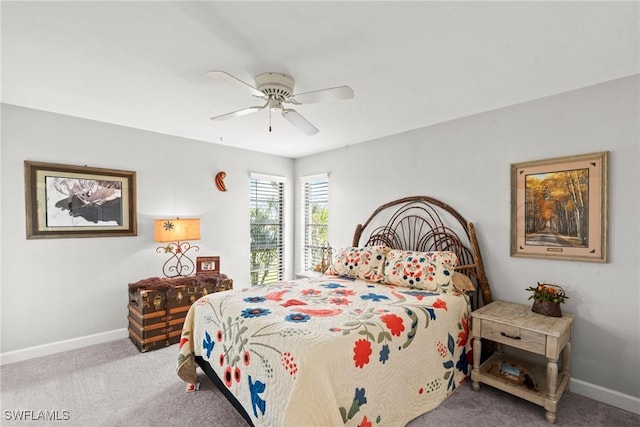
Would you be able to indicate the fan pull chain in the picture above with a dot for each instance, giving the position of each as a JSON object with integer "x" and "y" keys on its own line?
{"x": 269, "y": 119}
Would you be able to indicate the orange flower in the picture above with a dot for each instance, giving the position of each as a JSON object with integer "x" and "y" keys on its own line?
{"x": 440, "y": 304}
{"x": 394, "y": 323}
{"x": 547, "y": 292}
{"x": 361, "y": 352}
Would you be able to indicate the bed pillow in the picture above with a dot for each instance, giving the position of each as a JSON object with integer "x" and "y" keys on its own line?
{"x": 432, "y": 271}
{"x": 462, "y": 283}
{"x": 364, "y": 263}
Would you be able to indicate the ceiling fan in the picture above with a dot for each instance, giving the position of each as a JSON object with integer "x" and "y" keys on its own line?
{"x": 276, "y": 89}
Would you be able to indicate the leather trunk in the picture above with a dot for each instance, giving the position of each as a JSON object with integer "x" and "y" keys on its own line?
{"x": 154, "y": 342}
{"x": 158, "y": 306}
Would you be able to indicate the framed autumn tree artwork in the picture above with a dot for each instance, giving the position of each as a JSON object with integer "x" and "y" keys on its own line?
{"x": 559, "y": 208}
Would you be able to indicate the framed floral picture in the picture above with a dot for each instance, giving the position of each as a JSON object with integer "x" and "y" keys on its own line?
{"x": 65, "y": 201}
{"x": 559, "y": 208}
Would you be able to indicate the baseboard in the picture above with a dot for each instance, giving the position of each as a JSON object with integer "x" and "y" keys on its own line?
{"x": 60, "y": 346}
{"x": 592, "y": 391}
{"x": 605, "y": 395}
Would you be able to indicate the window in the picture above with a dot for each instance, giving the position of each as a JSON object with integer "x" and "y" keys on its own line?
{"x": 267, "y": 208}
{"x": 316, "y": 220}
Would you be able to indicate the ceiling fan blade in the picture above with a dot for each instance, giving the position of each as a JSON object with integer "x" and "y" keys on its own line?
{"x": 239, "y": 113}
{"x": 224, "y": 76}
{"x": 323, "y": 95}
{"x": 300, "y": 122}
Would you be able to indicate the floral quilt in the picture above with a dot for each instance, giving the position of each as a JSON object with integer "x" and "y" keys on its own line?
{"x": 331, "y": 351}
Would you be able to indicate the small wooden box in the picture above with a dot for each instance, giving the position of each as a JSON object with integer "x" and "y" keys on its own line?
{"x": 158, "y": 306}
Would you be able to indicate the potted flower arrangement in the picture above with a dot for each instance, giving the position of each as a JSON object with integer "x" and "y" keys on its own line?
{"x": 547, "y": 299}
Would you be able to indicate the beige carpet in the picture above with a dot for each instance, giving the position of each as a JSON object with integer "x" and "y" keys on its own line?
{"x": 113, "y": 384}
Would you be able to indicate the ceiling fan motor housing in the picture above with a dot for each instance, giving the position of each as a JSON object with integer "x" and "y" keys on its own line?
{"x": 277, "y": 86}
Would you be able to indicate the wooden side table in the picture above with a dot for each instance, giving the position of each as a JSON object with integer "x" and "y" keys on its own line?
{"x": 515, "y": 325}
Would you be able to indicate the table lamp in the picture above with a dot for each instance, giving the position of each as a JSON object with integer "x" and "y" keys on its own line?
{"x": 176, "y": 233}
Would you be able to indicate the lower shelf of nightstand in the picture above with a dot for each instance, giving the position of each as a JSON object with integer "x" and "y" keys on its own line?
{"x": 538, "y": 373}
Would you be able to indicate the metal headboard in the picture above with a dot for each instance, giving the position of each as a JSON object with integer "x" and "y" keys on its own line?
{"x": 425, "y": 224}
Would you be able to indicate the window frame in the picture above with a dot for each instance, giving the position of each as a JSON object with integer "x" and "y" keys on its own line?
{"x": 257, "y": 197}
{"x": 309, "y": 260}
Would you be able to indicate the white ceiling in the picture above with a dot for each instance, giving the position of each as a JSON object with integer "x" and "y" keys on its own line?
{"x": 410, "y": 64}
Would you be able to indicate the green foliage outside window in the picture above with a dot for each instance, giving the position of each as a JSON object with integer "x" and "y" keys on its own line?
{"x": 266, "y": 263}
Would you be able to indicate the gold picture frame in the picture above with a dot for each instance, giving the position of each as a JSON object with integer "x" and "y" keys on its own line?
{"x": 65, "y": 201}
{"x": 559, "y": 208}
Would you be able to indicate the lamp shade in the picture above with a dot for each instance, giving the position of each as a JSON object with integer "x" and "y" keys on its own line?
{"x": 175, "y": 230}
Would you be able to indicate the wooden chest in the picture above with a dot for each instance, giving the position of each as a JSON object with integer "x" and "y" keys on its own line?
{"x": 158, "y": 306}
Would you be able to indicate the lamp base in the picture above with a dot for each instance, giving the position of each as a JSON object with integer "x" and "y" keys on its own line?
{"x": 178, "y": 264}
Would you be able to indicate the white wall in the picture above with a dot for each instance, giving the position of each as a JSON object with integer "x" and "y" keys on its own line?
{"x": 61, "y": 289}
{"x": 466, "y": 163}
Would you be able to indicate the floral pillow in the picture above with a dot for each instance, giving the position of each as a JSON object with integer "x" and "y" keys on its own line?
{"x": 432, "y": 271}
{"x": 366, "y": 263}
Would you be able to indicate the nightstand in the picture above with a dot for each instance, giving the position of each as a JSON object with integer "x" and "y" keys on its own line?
{"x": 515, "y": 325}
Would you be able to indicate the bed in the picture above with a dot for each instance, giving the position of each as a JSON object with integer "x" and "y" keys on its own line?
{"x": 380, "y": 338}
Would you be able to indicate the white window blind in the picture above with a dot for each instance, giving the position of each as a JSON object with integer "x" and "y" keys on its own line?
{"x": 316, "y": 220}
{"x": 267, "y": 206}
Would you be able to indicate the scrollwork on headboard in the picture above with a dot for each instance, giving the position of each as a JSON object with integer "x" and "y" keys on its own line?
{"x": 425, "y": 224}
